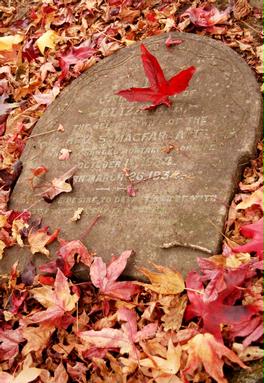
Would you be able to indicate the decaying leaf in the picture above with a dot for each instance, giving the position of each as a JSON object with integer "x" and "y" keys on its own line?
{"x": 62, "y": 184}
{"x": 64, "y": 154}
{"x": 77, "y": 214}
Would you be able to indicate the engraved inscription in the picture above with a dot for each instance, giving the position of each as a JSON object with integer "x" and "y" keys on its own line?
{"x": 181, "y": 160}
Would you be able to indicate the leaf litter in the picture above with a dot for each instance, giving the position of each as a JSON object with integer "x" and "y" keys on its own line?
{"x": 54, "y": 328}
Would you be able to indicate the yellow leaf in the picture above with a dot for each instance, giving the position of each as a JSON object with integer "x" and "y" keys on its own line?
{"x": 3, "y": 221}
{"x": 7, "y": 42}
{"x": 17, "y": 226}
{"x": 165, "y": 282}
{"x": 47, "y": 40}
{"x": 44, "y": 295}
{"x": 2, "y": 247}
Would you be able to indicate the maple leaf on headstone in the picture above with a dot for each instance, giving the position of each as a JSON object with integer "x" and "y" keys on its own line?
{"x": 160, "y": 89}
{"x": 58, "y": 185}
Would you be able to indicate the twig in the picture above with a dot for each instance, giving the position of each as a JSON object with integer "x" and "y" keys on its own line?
{"x": 184, "y": 244}
{"x": 249, "y": 26}
{"x": 42, "y": 134}
{"x": 87, "y": 231}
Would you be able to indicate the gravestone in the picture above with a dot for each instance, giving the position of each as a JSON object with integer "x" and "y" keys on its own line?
{"x": 191, "y": 154}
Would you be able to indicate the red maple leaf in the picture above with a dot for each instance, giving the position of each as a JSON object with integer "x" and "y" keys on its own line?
{"x": 160, "y": 89}
{"x": 105, "y": 277}
{"x": 254, "y": 231}
{"x": 214, "y": 313}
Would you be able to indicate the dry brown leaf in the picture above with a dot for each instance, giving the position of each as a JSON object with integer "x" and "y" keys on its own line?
{"x": 166, "y": 281}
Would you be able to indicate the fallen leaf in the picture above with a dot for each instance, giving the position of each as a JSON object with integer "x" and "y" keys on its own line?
{"x": 68, "y": 255}
{"x": 37, "y": 338}
{"x": 104, "y": 277}
{"x": 170, "y": 42}
{"x": 254, "y": 231}
{"x": 58, "y": 302}
{"x": 46, "y": 98}
{"x": 2, "y": 247}
{"x": 204, "y": 350}
{"x": 10, "y": 340}
{"x": 259, "y": 52}
{"x": 164, "y": 368}
{"x": 7, "y": 42}
{"x": 214, "y": 313}
{"x": 247, "y": 354}
{"x": 47, "y": 40}
{"x": 64, "y": 154}
{"x": 160, "y": 89}
{"x": 38, "y": 239}
{"x": 124, "y": 338}
{"x": 256, "y": 198}
{"x": 77, "y": 214}
{"x": 166, "y": 281}
{"x": 206, "y": 16}
{"x": 62, "y": 184}
{"x": 60, "y": 375}
{"x": 27, "y": 375}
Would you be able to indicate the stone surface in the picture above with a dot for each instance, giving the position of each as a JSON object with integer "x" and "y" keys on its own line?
{"x": 213, "y": 126}
{"x": 252, "y": 375}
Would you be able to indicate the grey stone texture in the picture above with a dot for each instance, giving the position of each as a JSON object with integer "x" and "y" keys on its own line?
{"x": 213, "y": 128}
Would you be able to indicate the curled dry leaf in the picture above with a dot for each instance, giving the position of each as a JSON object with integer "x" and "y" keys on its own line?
{"x": 170, "y": 42}
{"x": 68, "y": 255}
{"x": 77, "y": 214}
{"x": 166, "y": 281}
{"x": 255, "y": 232}
{"x": 62, "y": 184}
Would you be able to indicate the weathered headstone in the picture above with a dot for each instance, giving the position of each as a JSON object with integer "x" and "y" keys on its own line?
{"x": 212, "y": 129}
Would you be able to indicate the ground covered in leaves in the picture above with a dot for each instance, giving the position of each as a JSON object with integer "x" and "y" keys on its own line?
{"x": 55, "y": 328}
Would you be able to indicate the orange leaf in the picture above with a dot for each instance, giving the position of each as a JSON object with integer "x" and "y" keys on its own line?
{"x": 204, "y": 350}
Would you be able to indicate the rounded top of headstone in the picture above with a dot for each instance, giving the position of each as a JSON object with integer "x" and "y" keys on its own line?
{"x": 183, "y": 160}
